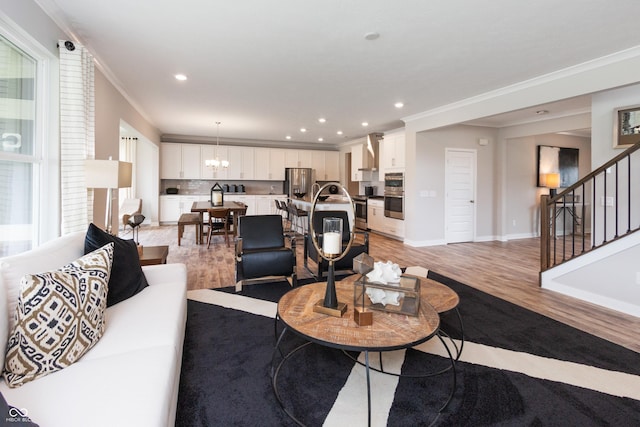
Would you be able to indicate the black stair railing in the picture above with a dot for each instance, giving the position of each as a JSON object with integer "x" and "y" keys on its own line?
{"x": 600, "y": 208}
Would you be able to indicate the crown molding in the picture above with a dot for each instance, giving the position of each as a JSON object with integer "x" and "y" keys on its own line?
{"x": 58, "y": 17}
{"x": 595, "y": 64}
{"x": 195, "y": 139}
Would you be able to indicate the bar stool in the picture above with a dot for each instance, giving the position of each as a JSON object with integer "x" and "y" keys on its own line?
{"x": 298, "y": 218}
{"x": 281, "y": 209}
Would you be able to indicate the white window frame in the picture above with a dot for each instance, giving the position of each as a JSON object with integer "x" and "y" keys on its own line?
{"x": 45, "y": 158}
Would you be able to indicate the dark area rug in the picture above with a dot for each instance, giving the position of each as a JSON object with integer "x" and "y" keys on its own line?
{"x": 227, "y": 353}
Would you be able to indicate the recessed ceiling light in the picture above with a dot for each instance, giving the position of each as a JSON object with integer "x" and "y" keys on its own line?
{"x": 180, "y": 77}
{"x": 288, "y": 137}
{"x": 320, "y": 139}
{"x": 339, "y": 132}
{"x": 398, "y": 105}
{"x": 322, "y": 120}
{"x": 365, "y": 124}
{"x": 371, "y": 36}
{"x": 303, "y": 129}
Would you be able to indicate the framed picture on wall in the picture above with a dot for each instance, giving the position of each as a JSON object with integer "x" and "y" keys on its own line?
{"x": 559, "y": 161}
{"x": 626, "y": 130}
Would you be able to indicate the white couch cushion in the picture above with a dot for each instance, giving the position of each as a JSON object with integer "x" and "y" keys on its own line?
{"x": 154, "y": 317}
{"x": 130, "y": 389}
{"x": 60, "y": 316}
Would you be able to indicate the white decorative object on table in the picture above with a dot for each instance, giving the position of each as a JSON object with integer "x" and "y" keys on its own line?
{"x": 386, "y": 273}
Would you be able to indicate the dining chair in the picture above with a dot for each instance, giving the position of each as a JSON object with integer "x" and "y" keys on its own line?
{"x": 218, "y": 224}
{"x": 360, "y": 245}
{"x": 261, "y": 252}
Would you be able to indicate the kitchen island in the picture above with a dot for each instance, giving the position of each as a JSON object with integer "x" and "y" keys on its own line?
{"x": 333, "y": 203}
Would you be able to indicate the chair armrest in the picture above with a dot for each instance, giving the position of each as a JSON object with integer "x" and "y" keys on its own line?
{"x": 365, "y": 236}
{"x": 292, "y": 239}
{"x": 239, "y": 248}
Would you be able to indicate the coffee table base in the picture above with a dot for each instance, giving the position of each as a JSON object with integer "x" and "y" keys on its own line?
{"x": 275, "y": 371}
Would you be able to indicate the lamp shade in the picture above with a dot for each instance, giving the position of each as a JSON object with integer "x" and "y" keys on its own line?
{"x": 552, "y": 180}
{"x": 107, "y": 174}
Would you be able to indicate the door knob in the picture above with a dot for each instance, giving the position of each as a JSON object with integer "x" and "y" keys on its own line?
{"x": 471, "y": 201}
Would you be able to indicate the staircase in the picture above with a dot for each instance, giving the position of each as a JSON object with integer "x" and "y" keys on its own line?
{"x": 602, "y": 210}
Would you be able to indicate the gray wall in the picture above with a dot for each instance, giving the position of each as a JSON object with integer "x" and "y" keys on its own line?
{"x": 522, "y": 195}
{"x": 428, "y": 212}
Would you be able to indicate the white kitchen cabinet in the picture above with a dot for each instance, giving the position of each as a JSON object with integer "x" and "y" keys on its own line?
{"x": 356, "y": 162}
{"x": 208, "y": 152}
{"x": 269, "y": 164}
{"x": 318, "y": 165}
{"x": 276, "y": 164}
{"x": 190, "y": 161}
{"x": 179, "y": 161}
{"x": 375, "y": 215}
{"x": 261, "y": 165}
{"x": 393, "y": 153}
{"x": 360, "y": 159}
{"x": 332, "y": 165}
{"x": 241, "y": 163}
{"x": 394, "y": 227}
{"x": 297, "y": 158}
{"x": 376, "y": 221}
{"x": 171, "y": 207}
{"x": 304, "y": 158}
{"x": 291, "y": 159}
{"x": 325, "y": 164}
{"x": 170, "y": 161}
{"x": 265, "y": 205}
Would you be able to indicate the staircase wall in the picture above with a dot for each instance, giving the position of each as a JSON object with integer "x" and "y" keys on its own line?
{"x": 608, "y": 276}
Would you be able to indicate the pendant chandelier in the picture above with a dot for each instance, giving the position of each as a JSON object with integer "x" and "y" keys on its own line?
{"x": 216, "y": 163}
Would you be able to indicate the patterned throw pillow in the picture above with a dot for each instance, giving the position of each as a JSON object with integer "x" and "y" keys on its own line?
{"x": 60, "y": 316}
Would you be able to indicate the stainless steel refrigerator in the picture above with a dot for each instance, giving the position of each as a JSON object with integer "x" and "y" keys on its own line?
{"x": 298, "y": 181}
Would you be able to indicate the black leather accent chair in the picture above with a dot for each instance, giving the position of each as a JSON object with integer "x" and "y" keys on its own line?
{"x": 360, "y": 244}
{"x": 261, "y": 253}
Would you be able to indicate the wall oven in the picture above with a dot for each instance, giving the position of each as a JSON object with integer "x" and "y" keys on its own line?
{"x": 394, "y": 184}
{"x": 394, "y": 195}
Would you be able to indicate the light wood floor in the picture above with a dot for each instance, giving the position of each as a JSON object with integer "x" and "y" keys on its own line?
{"x": 508, "y": 270}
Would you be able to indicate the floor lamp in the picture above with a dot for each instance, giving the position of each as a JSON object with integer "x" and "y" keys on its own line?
{"x": 107, "y": 174}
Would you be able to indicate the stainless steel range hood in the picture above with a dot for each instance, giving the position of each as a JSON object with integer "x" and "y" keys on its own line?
{"x": 372, "y": 151}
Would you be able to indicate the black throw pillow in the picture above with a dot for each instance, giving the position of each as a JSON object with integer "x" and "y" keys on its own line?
{"x": 127, "y": 278}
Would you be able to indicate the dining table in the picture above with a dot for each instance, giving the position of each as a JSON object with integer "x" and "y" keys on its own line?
{"x": 236, "y": 209}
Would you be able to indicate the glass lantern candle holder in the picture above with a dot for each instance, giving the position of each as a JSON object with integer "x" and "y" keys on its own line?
{"x": 217, "y": 195}
{"x": 399, "y": 298}
{"x": 332, "y": 237}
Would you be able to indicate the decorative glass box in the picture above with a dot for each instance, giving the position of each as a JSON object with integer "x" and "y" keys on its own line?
{"x": 399, "y": 298}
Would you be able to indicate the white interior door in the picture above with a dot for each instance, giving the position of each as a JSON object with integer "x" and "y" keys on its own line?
{"x": 460, "y": 194}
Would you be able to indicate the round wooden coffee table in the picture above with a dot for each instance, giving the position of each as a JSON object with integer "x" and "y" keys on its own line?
{"x": 441, "y": 297}
{"x": 388, "y": 332}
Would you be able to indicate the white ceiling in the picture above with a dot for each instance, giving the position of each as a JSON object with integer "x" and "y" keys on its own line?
{"x": 266, "y": 68}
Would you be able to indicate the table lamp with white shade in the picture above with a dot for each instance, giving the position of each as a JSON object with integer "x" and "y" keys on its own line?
{"x": 108, "y": 174}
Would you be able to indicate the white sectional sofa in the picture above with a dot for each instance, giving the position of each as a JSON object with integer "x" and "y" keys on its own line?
{"x": 131, "y": 376}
